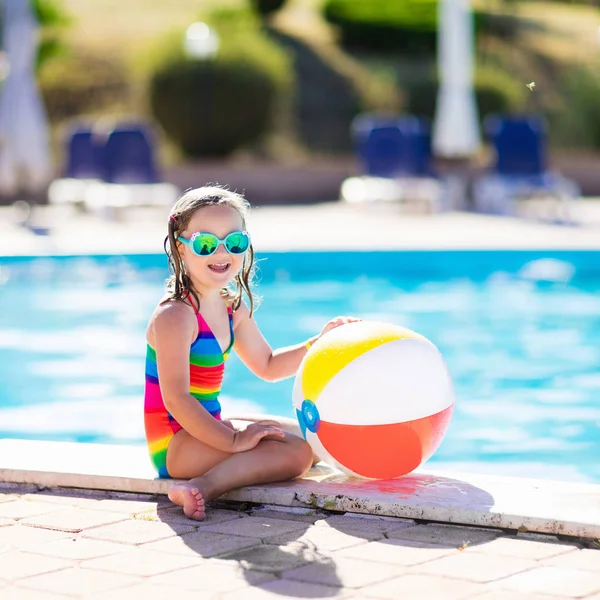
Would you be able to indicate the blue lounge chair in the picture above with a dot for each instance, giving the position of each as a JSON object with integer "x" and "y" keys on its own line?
{"x": 392, "y": 146}
{"x": 84, "y": 154}
{"x": 84, "y": 165}
{"x": 395, "y": 156}
{"x": 520, "y": 170}
{"x": 129, "y": 156}
{"x": 111, "y": 170}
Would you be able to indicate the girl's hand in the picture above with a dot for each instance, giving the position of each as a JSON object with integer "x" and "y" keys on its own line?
{"x": 248, "y": 438}
{"x": 337, "y": 322}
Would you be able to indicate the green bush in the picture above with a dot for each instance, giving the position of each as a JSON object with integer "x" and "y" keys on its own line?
{"x": 577, "y": 122}
{"x": 385, "y": 25}
{"x": 213, "y": 107}
{"x": 53, "y": 20}
{"x": 406, "y": 26}
{"x": 78, "y": 82}
{"x": 267, "y": 7}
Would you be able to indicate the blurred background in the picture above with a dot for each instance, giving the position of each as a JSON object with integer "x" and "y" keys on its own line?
{"x": 258, "y": 93}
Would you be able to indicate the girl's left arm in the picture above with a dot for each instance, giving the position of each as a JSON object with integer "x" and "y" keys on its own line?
{"x": 256, "y": 353}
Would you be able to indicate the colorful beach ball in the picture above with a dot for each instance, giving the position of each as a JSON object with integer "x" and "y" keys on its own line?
{"x": 373, "y": 399}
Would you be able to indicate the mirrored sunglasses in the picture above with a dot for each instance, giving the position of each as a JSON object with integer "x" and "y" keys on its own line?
{"x": 205, "y": 244}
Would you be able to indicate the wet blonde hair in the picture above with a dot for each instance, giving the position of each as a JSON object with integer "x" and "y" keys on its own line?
{"x": 179, "y": 284}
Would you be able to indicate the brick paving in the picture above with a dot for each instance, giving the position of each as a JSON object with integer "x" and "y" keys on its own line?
{"x": 59, "y": 543}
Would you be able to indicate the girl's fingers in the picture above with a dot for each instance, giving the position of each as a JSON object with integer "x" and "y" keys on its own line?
{"x": 276, "y": 431}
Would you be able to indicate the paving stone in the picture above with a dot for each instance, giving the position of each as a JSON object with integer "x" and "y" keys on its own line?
{"x": 64, "y": 495}
{"x": 446, "y": 535}
{"x": 273, "y": 559}
{"x": 78, "y": 548}
{"x": 512, "y": 595}
{"x": 75, "y": 498}
{"x": 256, "y": 527}
{"x": 505, "y": 546}
{"x": 344, "y": 572}
{"x": 6, "y": 497}
{"x": 137, "y": 532}
{"x": 421, "y": 586}
{"x": 4, "y": 522}
{"x": 175, "y": 514}
{"x": 16, "y": 565}
{"x": 288, "y": 588}
{"x": 149, "y": 591}
{"x": 129, "y": 507}
{"x": 480, "y": 568}
{"x": 77, "y": 581}
{"x": 326, "y": 538}
{"x": 398, "y": 552}
{"x": 213, "y": 576}
{"x": 351, "y": 522}
{"x": 142, "y": 562}
{"x": 20, "y": 537}
{"x": 21, "y": 509}
{"x": 290, "y": 513}
{"x": 74, "y": 519}
{"x": 587, "y": 560}
{"x": 534, "y": 536}
{"x": 203, "y": 543}
{"x": 19, "y": 593}
{"x": 555, "y": 581}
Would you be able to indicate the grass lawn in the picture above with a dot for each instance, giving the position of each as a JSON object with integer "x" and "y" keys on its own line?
{"x": 124, "y": 25}
{"x": 129, "y": 25}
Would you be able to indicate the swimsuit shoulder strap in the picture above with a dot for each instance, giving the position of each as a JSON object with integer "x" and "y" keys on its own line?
{"x": 190, "y": 299}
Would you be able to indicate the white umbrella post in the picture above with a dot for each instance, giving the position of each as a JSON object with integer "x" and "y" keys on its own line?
{"x": 456, "y": 123}
{"x": 25, "y": 166}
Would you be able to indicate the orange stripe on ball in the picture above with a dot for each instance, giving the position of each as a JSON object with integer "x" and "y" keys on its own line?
{"x": 400, "y": 447}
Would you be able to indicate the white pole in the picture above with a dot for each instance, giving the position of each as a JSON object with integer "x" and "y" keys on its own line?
{"x": 456, "y": 123}
{"x": 24, "y": 135}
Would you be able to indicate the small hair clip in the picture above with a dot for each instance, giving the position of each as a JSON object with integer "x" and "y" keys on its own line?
{"x": 172, "y": 218}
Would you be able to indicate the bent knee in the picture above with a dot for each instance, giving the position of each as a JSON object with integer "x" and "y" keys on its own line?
{"x": 303, "y": 454}
{"x": 299, "y": 454}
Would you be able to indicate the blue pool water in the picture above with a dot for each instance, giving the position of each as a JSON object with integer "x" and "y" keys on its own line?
{"x": 520, "y": 332}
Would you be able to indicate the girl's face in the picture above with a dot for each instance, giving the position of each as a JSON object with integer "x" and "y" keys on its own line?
{"x": 217, "y": 270}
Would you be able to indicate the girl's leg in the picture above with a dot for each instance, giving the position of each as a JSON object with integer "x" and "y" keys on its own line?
{"x": 212, "y": 472}
{"x": 188, "y": 455}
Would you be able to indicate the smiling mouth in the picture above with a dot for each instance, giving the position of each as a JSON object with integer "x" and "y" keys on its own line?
{"x": 219, "y": 267}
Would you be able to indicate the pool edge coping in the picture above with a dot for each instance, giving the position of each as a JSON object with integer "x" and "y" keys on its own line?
{"x": 538, "y": 506}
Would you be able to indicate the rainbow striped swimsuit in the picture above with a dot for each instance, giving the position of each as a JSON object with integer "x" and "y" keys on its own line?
{"x": 207, "y": 365}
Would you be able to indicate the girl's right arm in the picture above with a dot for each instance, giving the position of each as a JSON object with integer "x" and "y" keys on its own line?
{"x": 174, "y": 328}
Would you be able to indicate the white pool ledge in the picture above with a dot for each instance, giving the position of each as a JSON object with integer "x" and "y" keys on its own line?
{"x": 553, "y": 507}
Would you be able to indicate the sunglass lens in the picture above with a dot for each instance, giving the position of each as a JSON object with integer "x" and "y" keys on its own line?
{"x": 237, "y": 242}
{"x": 205, "y": 244}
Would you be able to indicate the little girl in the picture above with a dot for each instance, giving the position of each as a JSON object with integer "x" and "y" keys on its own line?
{"x": 202, "y": 317}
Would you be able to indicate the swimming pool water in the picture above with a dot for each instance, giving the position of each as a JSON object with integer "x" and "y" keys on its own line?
{"x": 520, "y": 332}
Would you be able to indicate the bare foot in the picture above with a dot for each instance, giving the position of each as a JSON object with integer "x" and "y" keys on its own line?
{"x": 190, "y": 498}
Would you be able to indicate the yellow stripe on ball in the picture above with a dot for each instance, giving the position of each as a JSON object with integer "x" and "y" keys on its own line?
{"x": 340, "y": 346}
